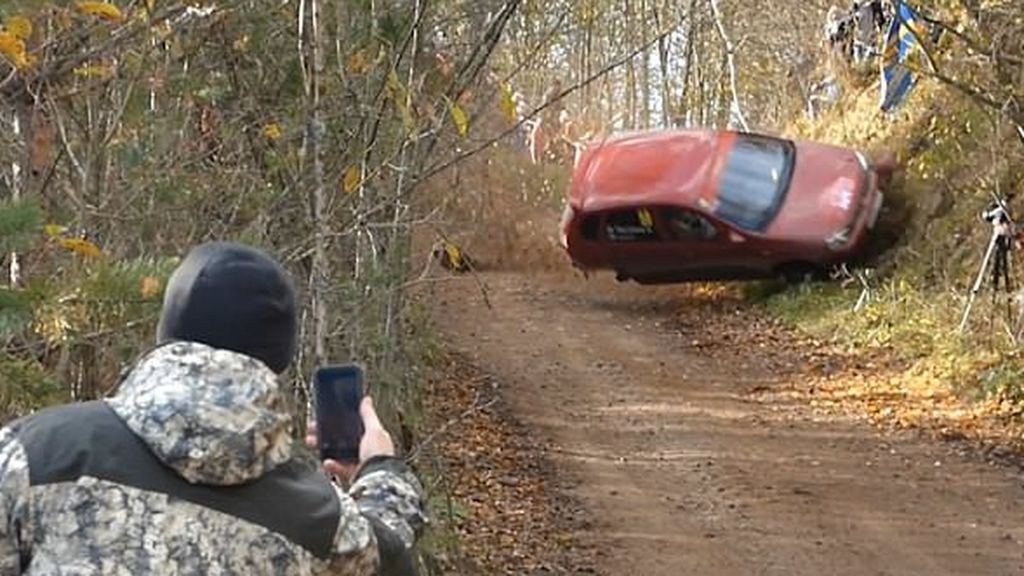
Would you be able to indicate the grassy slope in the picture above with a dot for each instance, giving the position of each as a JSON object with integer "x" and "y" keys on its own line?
{"x": 954, "y": 158}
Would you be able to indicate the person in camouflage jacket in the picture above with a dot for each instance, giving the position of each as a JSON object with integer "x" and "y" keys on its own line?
{"x": 191, "y": 467}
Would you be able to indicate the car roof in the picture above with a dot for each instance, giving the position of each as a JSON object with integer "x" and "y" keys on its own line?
{"x": 649, "y": 167}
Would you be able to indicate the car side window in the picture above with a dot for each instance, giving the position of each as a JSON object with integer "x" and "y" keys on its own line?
{"x": 687, "y": 225}
{"x": 590, "y": 226}
{"x": 633, "y": 225}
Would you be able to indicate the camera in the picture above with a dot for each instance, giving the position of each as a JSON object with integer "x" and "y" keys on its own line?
{"x": 995, "y": 214}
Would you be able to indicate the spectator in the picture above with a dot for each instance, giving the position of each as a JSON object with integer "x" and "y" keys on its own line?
{"x": 838, "y": 33}
{"x": 189, "y": 468}
{"x": 833, "y": 22}
{"x": 868, "y": 17}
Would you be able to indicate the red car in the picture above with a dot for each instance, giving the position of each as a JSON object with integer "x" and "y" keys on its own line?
{"x": 688, "y": 205}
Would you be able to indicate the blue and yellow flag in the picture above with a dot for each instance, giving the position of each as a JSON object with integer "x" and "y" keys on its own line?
{"x": 903, "y": 36}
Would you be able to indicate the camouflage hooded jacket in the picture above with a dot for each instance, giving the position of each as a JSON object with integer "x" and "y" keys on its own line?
{"x": 189, "y": 470}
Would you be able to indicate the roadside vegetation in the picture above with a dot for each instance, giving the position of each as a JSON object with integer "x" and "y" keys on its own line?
{"x": 350, "y": 138}
{"x": 958, "y": 139}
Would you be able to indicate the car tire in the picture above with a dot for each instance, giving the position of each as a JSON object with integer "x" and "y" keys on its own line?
{"x": 799, "y": 272}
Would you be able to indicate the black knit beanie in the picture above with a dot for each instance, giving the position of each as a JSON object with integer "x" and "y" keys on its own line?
{"x": 233, "y": 297}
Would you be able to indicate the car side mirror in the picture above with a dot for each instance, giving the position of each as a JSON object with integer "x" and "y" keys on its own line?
{"x": 736, "y": 237}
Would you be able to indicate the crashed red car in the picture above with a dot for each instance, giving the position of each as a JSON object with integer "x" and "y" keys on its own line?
{"x": 695, "y": 205}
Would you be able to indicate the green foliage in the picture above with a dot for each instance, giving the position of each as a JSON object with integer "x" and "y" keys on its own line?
{"x": 20, "y": 221}
{"x": 1003, "y": 381}
{"x": 27, "y": 385}
{"x": 15, "y": 312}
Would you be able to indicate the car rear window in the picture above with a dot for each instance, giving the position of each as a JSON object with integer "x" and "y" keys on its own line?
{"x": 754, "y": 181}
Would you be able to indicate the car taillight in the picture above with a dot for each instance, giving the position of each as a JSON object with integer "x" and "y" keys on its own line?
{"x": 563, "y": 226}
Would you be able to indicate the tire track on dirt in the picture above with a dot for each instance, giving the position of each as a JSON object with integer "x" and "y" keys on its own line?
{"x": 683, "y": 471}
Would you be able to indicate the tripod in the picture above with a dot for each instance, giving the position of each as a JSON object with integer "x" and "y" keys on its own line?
{"x": 998, "y": 245}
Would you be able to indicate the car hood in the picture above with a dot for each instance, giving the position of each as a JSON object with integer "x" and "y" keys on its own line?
{"x": 824, "y": 193}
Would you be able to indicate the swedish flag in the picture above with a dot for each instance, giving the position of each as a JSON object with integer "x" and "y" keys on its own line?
{"x": 903, "y": 36}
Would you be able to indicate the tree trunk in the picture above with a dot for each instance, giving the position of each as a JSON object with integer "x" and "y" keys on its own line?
{"x": 14, "y": 266}
{"x": 735, "y": 108}
{"x": 665, "y": 96}
{"x": 309, "y": 22}
{"x": 645, "y": 69}
{"x": 631, "y": 88}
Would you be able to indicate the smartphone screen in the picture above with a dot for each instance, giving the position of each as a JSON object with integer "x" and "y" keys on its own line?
{"x": 338, "y": 390}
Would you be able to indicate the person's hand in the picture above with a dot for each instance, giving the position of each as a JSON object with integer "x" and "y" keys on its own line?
{"x": 376, "y": 441}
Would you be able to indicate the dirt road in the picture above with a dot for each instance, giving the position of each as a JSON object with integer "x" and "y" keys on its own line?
{"x": 687, "y": 466}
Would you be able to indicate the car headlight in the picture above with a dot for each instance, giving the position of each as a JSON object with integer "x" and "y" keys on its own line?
{"x": 839, "y": 238}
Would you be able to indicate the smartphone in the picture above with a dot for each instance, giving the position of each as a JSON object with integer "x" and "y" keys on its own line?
{"x": 338, "y": 391}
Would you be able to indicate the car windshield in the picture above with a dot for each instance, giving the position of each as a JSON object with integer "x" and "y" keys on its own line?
{"x": 754, "y": 181}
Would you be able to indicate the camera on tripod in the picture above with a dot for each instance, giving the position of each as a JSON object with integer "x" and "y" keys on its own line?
{"x": 996, "y": 213}
{"x": 998, "y": 254}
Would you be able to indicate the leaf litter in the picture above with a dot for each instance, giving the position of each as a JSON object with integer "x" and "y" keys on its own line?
{"x": 508, "y": 510}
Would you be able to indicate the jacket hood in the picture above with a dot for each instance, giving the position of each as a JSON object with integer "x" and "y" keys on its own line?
{"x": 214, "y": 416}
{"x": 233, "y": 297}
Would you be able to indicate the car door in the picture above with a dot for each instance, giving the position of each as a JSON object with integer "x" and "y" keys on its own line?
{"x": 635, "y": 244}
{"x": 702, "y": 248}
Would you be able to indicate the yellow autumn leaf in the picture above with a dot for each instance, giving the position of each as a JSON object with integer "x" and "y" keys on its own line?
{"x": 394, "y": 85}
{"x": 357, "y": 63}
{"x": 93, "y": 71}
{"x": 18, "y": 26}
{"x": 241, "y": 44}
{"x": 104, "y": 10}
{"x": 81, "y": 246}
{"x": 454, "y": 254}
{"x": 460, "y": 119}
{"x": 13, "y": 49}
{"x": 350, "y": 181}
{"x": 400, "y": 96}
{"x": 54, "y": 230}
{"x": 150, "y": 287}
{"x": 507, "y": 102}
{"x": 272, "y": 131}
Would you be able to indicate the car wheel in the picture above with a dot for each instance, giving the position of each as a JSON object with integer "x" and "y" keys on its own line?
{"x": 799, "y": 272}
